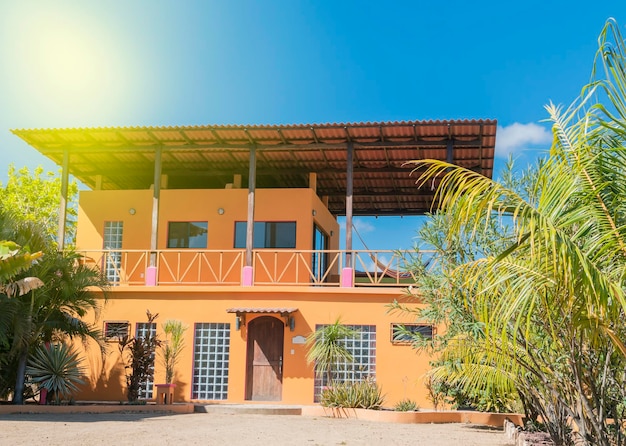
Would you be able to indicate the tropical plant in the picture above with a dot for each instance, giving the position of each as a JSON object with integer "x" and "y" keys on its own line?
{"x": 137, "y": 355}
{"x": 444, "y": 296}
{"x": 56, "y": 368}
{"x": 14, "y": 260}
{"x": 50, "y": 307}
{"x": 326, "y": 348}
{"x": 52, "y": 312}
{"x": 406, "y": 405}
{"x": 172, "y": 346}
{"x": 365, "y": 394}
{"x": 552, "y": 303}
{"x": 37, "y": 194}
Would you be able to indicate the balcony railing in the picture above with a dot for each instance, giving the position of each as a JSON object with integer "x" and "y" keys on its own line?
{"x": 270, "y": 267}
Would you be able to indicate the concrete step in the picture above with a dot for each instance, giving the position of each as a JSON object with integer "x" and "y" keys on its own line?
{"x": 256, "y": 409}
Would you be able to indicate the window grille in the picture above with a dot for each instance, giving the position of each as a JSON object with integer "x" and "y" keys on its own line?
{"x": 115, "y": 330}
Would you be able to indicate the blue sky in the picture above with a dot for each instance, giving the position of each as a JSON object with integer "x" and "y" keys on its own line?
{"x": 124, "y": 63}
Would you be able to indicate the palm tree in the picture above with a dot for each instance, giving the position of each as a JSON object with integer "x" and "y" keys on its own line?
{"x": 553, "y": 301}
{"x": 53, "y": 310}
{"x": 327, "y": 349}
{"x": 172, "y": 347}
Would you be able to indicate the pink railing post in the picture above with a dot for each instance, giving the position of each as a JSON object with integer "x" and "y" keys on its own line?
{"x": 151, "y": 276}
{"x": 247, "y": 276}
{"x": 347, "y": 278}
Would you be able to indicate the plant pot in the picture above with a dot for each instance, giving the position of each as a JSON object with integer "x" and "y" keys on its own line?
{"x": 165, "y": 393}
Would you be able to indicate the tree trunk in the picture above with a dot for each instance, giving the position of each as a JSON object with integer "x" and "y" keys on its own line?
{"x": 18, "y": 393}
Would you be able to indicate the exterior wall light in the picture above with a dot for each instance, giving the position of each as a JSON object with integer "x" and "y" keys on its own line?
{"x": 220, "y": 211}
{"x": 314, "y": 212}
{"x": 292, "y": 323}
{"x": 132, "y": 211}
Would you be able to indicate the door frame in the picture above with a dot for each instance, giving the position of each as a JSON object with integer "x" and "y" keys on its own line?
{"x": 250, "y": 350}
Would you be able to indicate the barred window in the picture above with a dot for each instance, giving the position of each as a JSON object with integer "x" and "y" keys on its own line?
{"x": 115, "y": 330}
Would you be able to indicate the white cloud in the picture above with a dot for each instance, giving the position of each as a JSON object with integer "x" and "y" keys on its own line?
{"x": 518, "y": 137}
{"x": 362, "y": 226}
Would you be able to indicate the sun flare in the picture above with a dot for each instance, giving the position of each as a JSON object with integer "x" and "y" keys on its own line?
{"x": 66, "y": 64}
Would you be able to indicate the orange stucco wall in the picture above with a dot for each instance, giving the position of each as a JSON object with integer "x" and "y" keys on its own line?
{"x": 97, "y": 207}
{"x": 399, "y": 369}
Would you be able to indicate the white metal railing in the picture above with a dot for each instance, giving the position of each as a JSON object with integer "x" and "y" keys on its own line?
{"x": 270, "y": 266}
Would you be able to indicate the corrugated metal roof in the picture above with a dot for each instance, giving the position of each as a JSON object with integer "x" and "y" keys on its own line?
{"x": 208, "y": 156}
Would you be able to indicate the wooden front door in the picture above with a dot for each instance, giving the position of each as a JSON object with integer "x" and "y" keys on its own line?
{"x": 264, "y": 361}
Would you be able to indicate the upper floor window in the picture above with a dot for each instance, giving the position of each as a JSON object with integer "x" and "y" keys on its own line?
{"x": 267, "y": 234}
{"x": 187, "y": 234}
{"x": 112, "y": 240}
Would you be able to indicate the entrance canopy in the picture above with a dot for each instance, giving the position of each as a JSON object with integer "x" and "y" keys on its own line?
{"x": 209, "y": 157}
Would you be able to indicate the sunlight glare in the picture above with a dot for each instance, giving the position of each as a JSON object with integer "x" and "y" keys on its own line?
{"x": 66, "y": 66}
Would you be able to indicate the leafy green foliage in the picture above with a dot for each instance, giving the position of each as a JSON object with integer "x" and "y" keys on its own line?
{"x": 138, "y": 357}
{"x": 326, "y": 349}
{"x": 172, "y": 346}
{"x": 444, "y": 295}
{"x": 553, "y": 301}
{"x": 56, "y": 368}
{"x": 406, "y": 405}
{"x": 36, "y": 196}
{"x": 13, "y": 261}
{"x": 47, "y": 301}
{"x": 364, "y": 394}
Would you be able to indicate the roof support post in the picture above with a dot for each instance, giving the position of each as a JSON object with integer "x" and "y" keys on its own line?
{"x": 313, "y": 181}
{"x": 65, "y": 169}
{"x": 347, "y": 274}
{"x": 450, "y": 150}
{"x": 156, "y": 195}
{"x": 251, "y": 192}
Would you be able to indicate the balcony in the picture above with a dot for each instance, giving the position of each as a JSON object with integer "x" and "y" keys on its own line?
{"x": 271, "y": 267}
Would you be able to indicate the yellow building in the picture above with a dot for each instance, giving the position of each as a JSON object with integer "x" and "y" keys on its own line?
{"x": 233, "y": 231}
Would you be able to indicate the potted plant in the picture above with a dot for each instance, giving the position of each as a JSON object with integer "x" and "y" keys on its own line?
{"x": 170, "y": 350}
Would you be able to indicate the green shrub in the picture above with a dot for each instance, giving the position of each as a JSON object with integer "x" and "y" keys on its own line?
{"x": 56, "y": 368}
{"x": 406, "y": 405}
{"x": 361, "y": 395}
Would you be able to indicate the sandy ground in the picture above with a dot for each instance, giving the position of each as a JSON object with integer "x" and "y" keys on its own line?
{"x": 232, "y": 430}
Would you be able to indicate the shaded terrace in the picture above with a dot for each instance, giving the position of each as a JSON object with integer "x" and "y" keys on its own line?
{"x": 356, "y": 169}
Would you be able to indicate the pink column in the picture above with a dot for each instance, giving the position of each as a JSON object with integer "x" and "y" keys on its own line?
{"x": 151, "y": 276}
{"x": 247, "y": 276}
{"x": 347, "y": 278}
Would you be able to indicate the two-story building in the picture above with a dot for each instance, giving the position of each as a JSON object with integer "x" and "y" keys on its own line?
{"x": 233, "y": 230}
